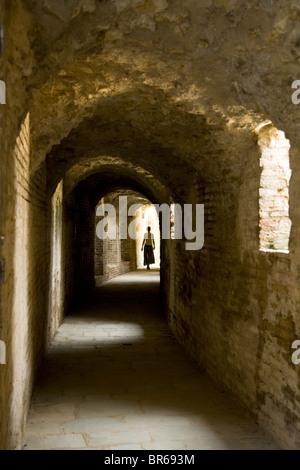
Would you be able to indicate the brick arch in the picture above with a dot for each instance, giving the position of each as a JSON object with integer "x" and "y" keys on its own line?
{"x": 81, "y": 202}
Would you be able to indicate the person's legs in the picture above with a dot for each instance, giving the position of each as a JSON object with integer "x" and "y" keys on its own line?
{"x": 150, "y": 256}
{"x": 147, "y": 256}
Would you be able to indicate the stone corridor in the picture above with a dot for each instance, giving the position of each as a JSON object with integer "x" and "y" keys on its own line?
{"x": 192, "y": 107}
{"x": 115, "y": 378}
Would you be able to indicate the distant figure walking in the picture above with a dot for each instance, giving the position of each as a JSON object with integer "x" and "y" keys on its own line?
{"x": 148, "y": 246}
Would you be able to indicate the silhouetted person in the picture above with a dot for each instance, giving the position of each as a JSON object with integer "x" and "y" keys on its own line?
{"x": 148, "y": 246}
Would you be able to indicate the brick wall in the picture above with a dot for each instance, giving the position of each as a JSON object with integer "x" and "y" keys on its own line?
{"x": 69, "y": 230}
{"x": 25, "y": 291}
{"x": 275, "y": 224}
{"x": 83, "y": 244}
{"x": 113, "y": 257}
{"x": 57, "y": 259}
{"x": 235, "y": 308}
{"x": 25, "y": 226}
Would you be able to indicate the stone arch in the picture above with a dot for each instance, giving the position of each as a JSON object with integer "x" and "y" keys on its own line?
{"x": 82, "y": 197}
{"x": 176, "y": 89}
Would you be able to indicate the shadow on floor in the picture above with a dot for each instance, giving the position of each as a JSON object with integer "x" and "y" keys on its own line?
{"x": 115, "y": 378}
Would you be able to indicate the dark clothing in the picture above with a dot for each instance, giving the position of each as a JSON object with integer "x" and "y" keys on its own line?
{"x": 148, "y": 255}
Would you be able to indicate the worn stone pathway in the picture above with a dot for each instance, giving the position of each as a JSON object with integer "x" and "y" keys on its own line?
{"x": 115, "y": 378}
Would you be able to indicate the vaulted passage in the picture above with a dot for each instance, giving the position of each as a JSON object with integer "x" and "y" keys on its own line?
{"x": 115, "y": 378}
{"x": 183, "y": 106}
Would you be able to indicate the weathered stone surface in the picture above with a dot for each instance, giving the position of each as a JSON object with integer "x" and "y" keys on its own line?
{"x": 149, "y": 395}
{"x": 164, "y": 98}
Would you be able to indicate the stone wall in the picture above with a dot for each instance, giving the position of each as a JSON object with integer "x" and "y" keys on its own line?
{"x": 162, "y": 97}
{"x": 235, "y": 308}
{"x": 57, "y": 267}
{"x": 275, "y": 225}
{"x": 26, "y": 253}
{"x": 113, "y": 257}
{"x": 25, "y": 227}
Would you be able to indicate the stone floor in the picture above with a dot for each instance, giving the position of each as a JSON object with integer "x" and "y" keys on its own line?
{"x": 115, "y": 378}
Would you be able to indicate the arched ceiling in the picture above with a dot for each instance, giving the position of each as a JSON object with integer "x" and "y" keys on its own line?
{"x": 133, "y": 197}
{"x": 111, "y": 178}
{"x": 172, "y": 86}
{"x": 122, "y": 145}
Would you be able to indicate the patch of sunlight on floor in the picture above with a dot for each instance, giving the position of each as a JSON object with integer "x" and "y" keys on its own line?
{"x": 140, "y": 276}
{"x": 116, "y": 379}
{"x": 101, "y": 332}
